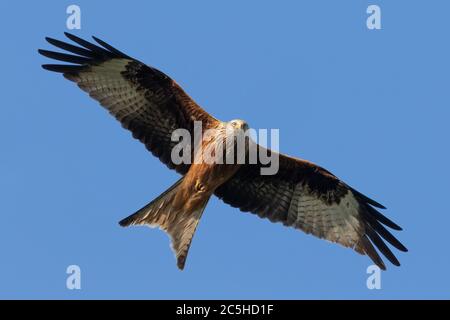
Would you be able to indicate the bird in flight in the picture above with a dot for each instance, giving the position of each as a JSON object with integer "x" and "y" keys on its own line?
{"x": 152, "y": 106}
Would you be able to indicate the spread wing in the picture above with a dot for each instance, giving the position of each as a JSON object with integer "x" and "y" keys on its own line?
{"x": 146, "y": 101}
{"x": 307, "y": 197}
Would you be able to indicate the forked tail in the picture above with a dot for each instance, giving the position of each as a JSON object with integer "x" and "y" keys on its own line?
{"x": 179, "y": 224}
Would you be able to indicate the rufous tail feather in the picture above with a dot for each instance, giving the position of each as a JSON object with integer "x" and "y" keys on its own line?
{"x": 179, "y": 224}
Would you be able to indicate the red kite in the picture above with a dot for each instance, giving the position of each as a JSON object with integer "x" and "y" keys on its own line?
{"x": 152, "y": 106}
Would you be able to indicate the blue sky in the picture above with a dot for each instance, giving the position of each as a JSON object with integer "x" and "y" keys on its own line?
{"x": 372, "y": 106}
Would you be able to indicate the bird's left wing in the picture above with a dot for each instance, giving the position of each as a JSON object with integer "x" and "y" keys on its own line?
{"x": 307, "y": 197}
{"x": 146, "y": 101}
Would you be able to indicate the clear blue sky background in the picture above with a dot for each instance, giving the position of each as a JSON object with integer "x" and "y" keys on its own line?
{"x": 370, "y": 106}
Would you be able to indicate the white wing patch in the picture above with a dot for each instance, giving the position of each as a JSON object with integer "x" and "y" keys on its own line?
{"x": 334, "y": 222}
{"x": 106, "y": 84}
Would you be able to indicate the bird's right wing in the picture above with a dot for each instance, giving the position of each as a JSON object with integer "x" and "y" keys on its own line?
{"x": 307, "y": 197}
{"x": 146, "y": 101}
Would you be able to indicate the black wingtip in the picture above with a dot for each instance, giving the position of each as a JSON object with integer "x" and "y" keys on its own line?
{"x": 372, "y": 253}
{"x": 111, "y": 49}
{"x": 381, "y": 265}
{"x": 381, "y": 246}
{"x": 80, "y": 56}
{"x": 128, "y": 221}
{"x": 367, "y": 199}
{"x": 66, "y": 69}
{"x": 64, "y": 57}
{"x": 52, "y": 67}
{"x": 69, "y": 35}
{"x": 382, "y": 231}
{"x": 90, "y": 46}
{"x": 124, "y": 222}
{"x": 50, "y": 40}
{"x": 382, "y": 218}
{"x": 72, "y": 37}
{"x": 370, "y": 204}
{"x": 375, "y": 203}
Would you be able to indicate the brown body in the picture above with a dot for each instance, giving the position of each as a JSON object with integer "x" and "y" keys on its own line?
{"x": 178, "y": 210}
{"x": 200, "y": 183}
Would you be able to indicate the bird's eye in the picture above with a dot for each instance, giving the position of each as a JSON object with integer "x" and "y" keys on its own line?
{"x": 233, "y": 124}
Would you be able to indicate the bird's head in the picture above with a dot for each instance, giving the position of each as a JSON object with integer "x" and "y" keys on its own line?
{"x": 238, "y": 130}
{"x": 238, "y": 124}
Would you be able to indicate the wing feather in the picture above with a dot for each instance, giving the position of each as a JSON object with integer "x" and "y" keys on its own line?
{"x": 145, "y": 100}
{"x": 307, "y": 197}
